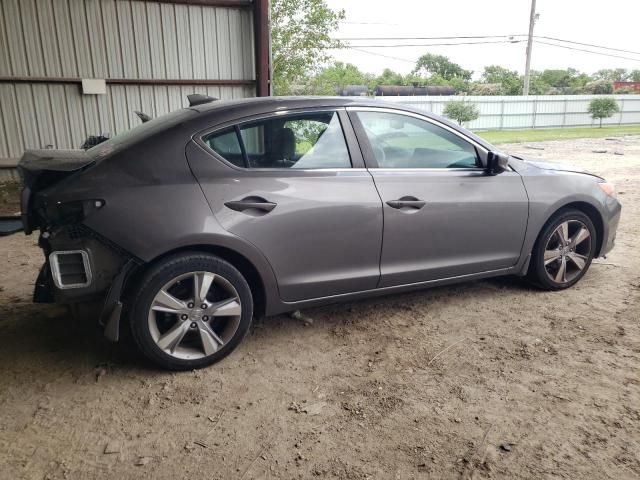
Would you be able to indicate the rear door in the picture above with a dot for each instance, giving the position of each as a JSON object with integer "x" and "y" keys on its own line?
{"x": 294, "y": 185}
{"x": 443, "y": 216}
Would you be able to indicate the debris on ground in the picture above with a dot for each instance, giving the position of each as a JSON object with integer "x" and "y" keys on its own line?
{"x": 534, "y": 147}
{"x": 102, "y": 369}
{"x": 312, "y": 409}
{"x": 315, "y": 408}
{"x": 295, "y": 407}
{"x": 599, "y": 151}
{"x": 506, "y": 447}
{"x": 100, "y": 372}
{"x": 112, "y": 447}
{"x": 298, "y": 315}
{"x": 142, "y": 461}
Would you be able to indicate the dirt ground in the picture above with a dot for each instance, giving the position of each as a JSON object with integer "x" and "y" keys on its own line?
{"x": 490, "y": 379}
{"x": 9, "y": 198}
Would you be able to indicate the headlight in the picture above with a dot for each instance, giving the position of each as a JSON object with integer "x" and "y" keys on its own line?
{"x": 609, "y": 189}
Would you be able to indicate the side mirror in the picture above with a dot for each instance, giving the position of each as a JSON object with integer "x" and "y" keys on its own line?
{"x": 497, "y": 162}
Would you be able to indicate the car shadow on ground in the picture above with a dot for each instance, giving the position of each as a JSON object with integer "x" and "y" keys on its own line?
{"x": 51, "y": 335}
{"x": 35, "y": 334}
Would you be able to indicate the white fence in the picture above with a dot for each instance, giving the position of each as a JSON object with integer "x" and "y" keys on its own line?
{"x": 543, "y": 111}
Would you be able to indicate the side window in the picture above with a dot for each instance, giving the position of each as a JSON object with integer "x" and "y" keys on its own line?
{"x": 227, "y": 145}
{"x": 310, "y": 140}
{"x": 400, "y": 141}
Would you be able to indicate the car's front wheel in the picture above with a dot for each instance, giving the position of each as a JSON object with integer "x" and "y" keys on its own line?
{"x": 564, "y": 250}
{"x": 192, "y": 310}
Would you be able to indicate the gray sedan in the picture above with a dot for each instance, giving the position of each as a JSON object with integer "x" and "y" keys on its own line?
{"x": 189, "y": 225}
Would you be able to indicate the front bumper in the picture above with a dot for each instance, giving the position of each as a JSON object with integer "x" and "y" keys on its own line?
{"x": 611, "y": 219}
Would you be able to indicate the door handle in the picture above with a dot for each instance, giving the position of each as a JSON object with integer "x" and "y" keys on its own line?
{"x": 251, "y": 203}
{"x": 407, "y": 202}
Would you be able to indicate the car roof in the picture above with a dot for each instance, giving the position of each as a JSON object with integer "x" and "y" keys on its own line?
{"x": 274, "y": 103}
{"x": 258, "y": 105}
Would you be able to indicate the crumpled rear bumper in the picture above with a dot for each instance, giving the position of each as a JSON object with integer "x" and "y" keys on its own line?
{"x": 102, "y": 262}
{"x": 110, "y": 269}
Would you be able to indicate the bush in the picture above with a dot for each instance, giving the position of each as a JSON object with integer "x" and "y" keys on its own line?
{"x": 599, "y": 87}
{"x": 461, "y": 111}
{"x": 604, "y": 107}
{"x": 486, "y": 89}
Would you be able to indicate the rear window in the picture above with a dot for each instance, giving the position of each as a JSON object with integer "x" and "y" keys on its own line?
{"x": 227, "y": 145}
{"x": 140, "y": 132}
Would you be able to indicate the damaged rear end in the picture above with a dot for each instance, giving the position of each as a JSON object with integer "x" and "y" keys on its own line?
{"x": 79, "y": 266}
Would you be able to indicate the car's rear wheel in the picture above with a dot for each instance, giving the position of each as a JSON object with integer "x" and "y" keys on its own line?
{"x": 192, "y": 310}
{"x": 564, "y": 251}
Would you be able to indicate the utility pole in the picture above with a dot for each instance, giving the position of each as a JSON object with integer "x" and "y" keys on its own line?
{"x": 527, "y": 68}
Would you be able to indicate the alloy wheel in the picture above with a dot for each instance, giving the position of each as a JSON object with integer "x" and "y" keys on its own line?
{"x": 567, "y": 252}
{"x": 194, "y": 315}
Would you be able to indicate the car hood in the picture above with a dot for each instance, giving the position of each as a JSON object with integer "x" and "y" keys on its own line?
{"x": 558, "y": 167}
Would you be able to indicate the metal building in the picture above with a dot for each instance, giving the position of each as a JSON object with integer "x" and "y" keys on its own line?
{"x": 132, "y": 55}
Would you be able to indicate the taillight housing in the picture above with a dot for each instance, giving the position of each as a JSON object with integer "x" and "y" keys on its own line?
{"x": 69, "y": 213}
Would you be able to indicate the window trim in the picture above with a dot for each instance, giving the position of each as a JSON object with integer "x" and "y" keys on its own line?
{"x": 243, "y": 148}
{"x": 351, "y": 143}
{"x": 369, "y": 156}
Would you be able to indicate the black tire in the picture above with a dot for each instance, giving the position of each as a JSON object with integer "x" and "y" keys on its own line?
{"x": 538, "y": 273}
{"x": 158, "y": 277}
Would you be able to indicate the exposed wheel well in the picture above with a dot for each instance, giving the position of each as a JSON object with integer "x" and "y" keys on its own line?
{"x": 244, "y": 266}
{"x": 593, "y": 214}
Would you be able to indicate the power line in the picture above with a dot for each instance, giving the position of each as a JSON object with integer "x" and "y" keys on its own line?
{"x": 358, "y": 47}
{"x": 347, "y": 22}
{"x": 587, "y": 51}
{"x": 435, "y": 44}
{"x": 464, "y": 37}
{"x": 588, "y": 45}
{"x": 427, "y": 38}
{"x": 382, "y": 55}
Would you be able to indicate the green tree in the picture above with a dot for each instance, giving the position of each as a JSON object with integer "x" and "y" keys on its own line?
{"x": 389, "y": 77}
{"x": 509, "y": 80}
{"x": 559, "y": 78}
{"x": 430, "y": 65}
{"x": 301, "y": 39}
{"x": 332, "y": 79}
{"x": 538, "y": 86}
{"x": 612, "y": 74}
{"x": 461, "y": 111}
{"x": 604, "y": 107}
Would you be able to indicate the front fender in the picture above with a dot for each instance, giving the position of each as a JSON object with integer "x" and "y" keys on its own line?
{"x": 550, "y": 191}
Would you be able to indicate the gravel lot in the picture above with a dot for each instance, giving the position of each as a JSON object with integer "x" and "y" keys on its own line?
{"x": 484, "y": 379}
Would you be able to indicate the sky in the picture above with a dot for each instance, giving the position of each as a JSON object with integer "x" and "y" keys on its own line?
{"x": 610, "y": 23}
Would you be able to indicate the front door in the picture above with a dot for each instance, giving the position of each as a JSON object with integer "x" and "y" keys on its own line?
{"x": 443, "y": 216}
{"x": 289, "y": 184}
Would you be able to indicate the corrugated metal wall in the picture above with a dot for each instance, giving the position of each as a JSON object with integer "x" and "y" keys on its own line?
{"x": 111, "y": 39}
{"x": 544, "y": 111}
